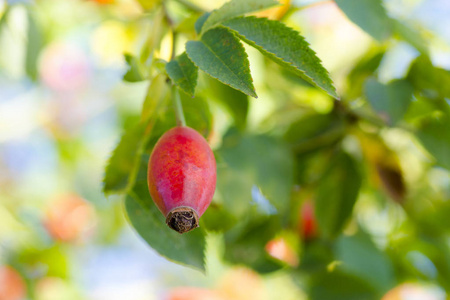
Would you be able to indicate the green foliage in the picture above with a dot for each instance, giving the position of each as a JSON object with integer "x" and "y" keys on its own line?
{"x": 370, "y": 15}
{"x": 358, "y": 255}
{"x": 120, "y": 170}
{"x": 222, "y": 56}
{"x": 183, "y": 73}
{"x": 233, "y": 100}
{"x": 433, "y": 82}
{"x": 233, "y": 9}
{"x": 412, "y": 35}
{"x": 257, "y": 173}
{"x": 134, "y": 72}
{"x": 187, "y": 249}
{"x": 333, "y": 158}
{"x": 341, "y": 286}
{"x": 373, "y": 160}
{"x": 337, "y": 192}
{"x": 390, "y": 101}
{"x": 284, "y": 46}
{"x": 435, "y": 136}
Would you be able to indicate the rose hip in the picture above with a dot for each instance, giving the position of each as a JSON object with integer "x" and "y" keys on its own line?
{"x": 182, "y": 177}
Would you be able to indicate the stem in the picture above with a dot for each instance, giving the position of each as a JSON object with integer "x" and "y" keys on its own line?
{"x": 174, "y": 44}
{"x": 179, "y": 115}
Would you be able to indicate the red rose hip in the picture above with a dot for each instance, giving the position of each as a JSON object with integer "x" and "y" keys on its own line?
{"x": 182, "y": 177}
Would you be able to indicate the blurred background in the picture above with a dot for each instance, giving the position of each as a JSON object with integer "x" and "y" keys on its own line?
{"x": 64, "y": 106}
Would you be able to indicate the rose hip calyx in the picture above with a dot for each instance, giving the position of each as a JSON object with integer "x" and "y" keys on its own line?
{"x": 182, "y": 219}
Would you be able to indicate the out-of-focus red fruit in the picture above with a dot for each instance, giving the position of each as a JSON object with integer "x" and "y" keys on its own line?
{"x": 12, "y": 286}
{"x": 280, "y": 249}
{"x": 183, "y": 293}
{"x": 308, "y": 223}
{"x": 69, "y": 218}
{"x": 182, "y": 177}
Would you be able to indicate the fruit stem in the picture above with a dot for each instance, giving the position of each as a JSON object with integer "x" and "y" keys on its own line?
{"x": 179, "y": 115}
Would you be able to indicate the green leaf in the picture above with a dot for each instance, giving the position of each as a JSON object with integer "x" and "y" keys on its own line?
{"x": 134, "y": 73}
{"x": 433, "y": 81}
{"x": 234, "y": 101}
{"x": 245, "y": 244}
{"x": 201, "y": 21}
{"x": 285, "y": 46}
{"x": 412, "y": 35}
{"x": 121, "y": 167}
{"x": 156, "y": 95}
{"x": 34, "y": 46}
{"x": 337, "y": 193}
{"x": 390, "y": 101}
{"x": 435, "y": 137}
{"x": 314, "y": 131}
{"x": 341, "y": 286}
{"x": 369, "y": 15}
{"x": 197, "y": 114}
{"x": 235, "y": 8}
{"x": 256, "y": 172}
{"x": 153, "y": 40}
{"x": 358, "y": 255}
{"x": 183, "y": 73}
{"x": 187, "y": 249}
{"x": 365, "y": 68}
{"x": 222, "y": 56}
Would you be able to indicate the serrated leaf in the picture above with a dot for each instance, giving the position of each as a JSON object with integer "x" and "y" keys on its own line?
{"x": 134, "y": 73}
{"x": 183, "y": 73}
{"x": 235, "y": 8}
{"x": 435, "y": 136}
{"x": 285, "y": 46}
{"x": 222, "y": 56}
{"x": 121, "y": 167}
{"x": 187, "y": 249}
{"x": 201, "y": 21}
{"x": 337, "y": 193}
{"x": 390, "y": 101}
{"x": 369, "y": 15}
